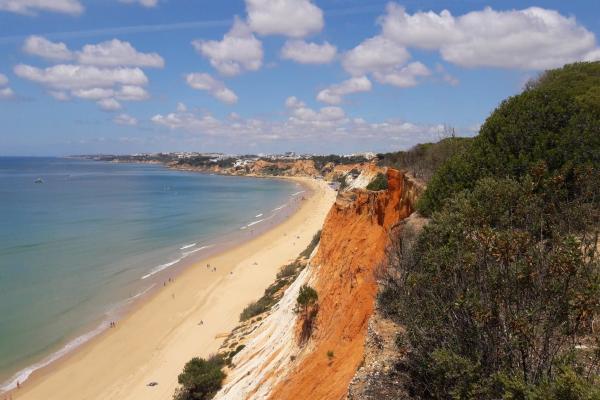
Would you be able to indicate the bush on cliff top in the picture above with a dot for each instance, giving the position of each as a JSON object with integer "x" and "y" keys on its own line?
{"x": 496, "y": 298}
{"x": 555, "y": 120}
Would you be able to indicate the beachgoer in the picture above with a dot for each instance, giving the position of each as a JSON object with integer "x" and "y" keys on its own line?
{"x": 18, "y": 385}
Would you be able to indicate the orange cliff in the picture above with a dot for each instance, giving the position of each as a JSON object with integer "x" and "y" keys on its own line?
{"x": 353, "y": 243}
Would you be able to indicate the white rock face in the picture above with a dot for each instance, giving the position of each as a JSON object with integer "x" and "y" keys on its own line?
{"x": 267, "y": 357}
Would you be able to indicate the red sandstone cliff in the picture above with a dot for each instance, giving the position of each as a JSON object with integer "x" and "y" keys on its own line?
{"x": 273, "y": 363}
{"x": 353, "y": 242}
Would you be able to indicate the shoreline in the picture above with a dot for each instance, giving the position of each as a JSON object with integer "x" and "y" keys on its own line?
{"x": 155, "y": 278}
{"x": 193, "y": 289}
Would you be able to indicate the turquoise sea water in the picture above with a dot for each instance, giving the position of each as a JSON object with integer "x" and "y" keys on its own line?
{"x": 92, "y": 237}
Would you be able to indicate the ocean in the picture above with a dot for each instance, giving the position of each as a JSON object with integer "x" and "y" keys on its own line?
{"x": 89, "y": 238}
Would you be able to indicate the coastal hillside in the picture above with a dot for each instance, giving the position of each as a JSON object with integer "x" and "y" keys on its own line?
{"x": 490, "y": 291}
{"x": 495, "y": 295}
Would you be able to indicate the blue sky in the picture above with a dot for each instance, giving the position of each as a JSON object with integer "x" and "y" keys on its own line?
{"x": 249, "y": 76}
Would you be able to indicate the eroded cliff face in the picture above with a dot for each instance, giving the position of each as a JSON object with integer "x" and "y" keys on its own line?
{"x": 355, "y": 235}
{"x": 353, "y": 242}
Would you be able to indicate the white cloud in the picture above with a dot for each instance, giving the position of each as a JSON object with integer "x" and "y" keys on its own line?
{"x": 31, "y": 7}
{"x": 593, "y": 55}
{"x": 239, "y": 50}
{"x": 126, "y": 93}
{"x": 42, "y": 47}
{"x": 377, "y": 54}
{"x": 385, "y": 60}
{"x": 216, "y": 88}
{"x": 6, "y": 93}
{"x": 132, "y": 93}
{"x": 303, "y": 114}
{"x": 109, "y": 104}
{"x": 145, "y": 3}
{"x": 328, "y": 126}
{"x": 293, "y": 18}
{"x": 308, "y": 53}
{"x": 111, "y": 53}
{"x": 117, "y": 53}
{"x": 533, "y": 38}
{"x": 334, "y": 93}
{"x": 93, "y": 94}
{"x": 72, "y": 77}
{"x": 3, "y": 80}
{"x": 125, "y": 119}
{"x": 185, "y": 120}
{"x": 403, "y": 77}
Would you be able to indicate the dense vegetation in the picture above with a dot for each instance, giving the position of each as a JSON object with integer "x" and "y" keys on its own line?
{"x": 555, "y": 120}
{"x": 500, "y": 293}
{"x": 379, "y": 183}
{"x": 424, "y": 159}
{"x": 321, "y": 161}
{"x": 201, "y": 379}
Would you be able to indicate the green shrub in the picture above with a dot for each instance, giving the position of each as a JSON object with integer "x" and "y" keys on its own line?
{"x": 201, "y": 379}
{"x": 287, "y": 270}
{"x": 379, "y": 183}
{"x": 503, "y": 282}
{"x": 311, "y": 247}
{"x": 255, "y": 308}
{"x": 307, "y": 297}
{"x": 423, "y": 160}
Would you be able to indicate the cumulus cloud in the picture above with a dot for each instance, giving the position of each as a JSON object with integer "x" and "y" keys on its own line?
{"x": 403, "y": 77}
{"x": 32, "y": 7}
{"x": 126, "y": 93}
{"x": 42, "y": 47}
{"x": 533, "y": 38}
{"x": 145, "y": 3}
{"x": 385, "y": 60}
{"x": 104, "y": 85}
{"x": 292, "y": 18}
{"x": 109, "y": 104}
{"x": 125, "y": 119}
{"x": 239, "y": 50}
{"x": 334, "y": 94}
{"x": 118, "y": 53}
{"x": 377, "y": 54}
{"x": 217, "y": 89}
{"x": 300, "y": 113}
{"x": 110, "y": 53}
{"x": 308, "y": 53}
{"x": 328, "y": 125}
{"x": 71, "y": 77}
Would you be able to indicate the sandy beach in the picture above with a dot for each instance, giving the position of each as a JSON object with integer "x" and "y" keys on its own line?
{"x": 156, "y": 339}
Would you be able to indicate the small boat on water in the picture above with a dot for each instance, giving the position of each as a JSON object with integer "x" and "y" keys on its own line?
{"x": 39, "y": 180}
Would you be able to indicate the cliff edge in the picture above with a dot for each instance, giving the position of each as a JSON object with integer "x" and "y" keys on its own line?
{"x": 275, "y": 364}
